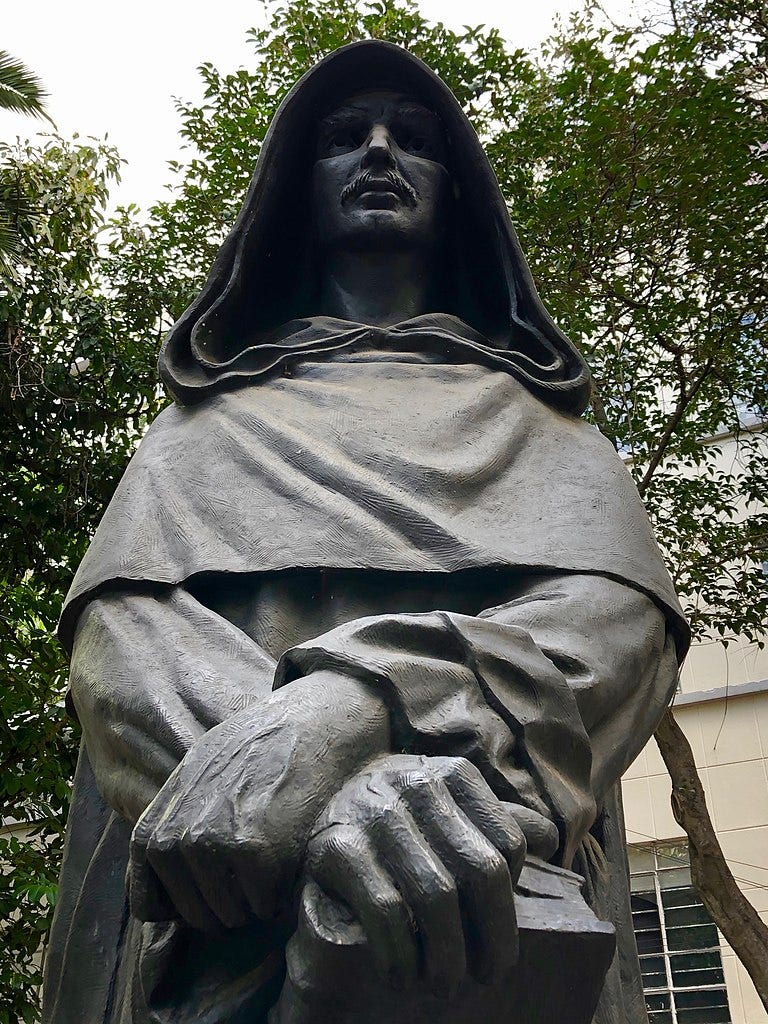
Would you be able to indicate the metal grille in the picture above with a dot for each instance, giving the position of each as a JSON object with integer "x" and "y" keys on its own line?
{"x": 677, "y": 941}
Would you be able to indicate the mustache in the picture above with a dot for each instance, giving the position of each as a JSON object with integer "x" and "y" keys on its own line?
{"x": 400, "y": 186}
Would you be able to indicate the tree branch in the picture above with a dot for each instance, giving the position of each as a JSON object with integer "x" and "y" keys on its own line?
{"x": 683, "y": 402}
{"x": 734, "y": 915}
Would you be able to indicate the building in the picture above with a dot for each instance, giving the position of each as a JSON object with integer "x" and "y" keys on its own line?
{"x": 691, "y": 976}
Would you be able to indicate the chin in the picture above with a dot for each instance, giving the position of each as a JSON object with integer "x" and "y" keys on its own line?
{"x": 381, "y": 226}
{"x": 384, "y": 220}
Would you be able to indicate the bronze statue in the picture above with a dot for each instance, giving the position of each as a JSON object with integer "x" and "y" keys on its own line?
{"x": 373, "y": 623}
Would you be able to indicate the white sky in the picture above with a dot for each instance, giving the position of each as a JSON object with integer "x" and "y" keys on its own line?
{"x": 112, "y": 69}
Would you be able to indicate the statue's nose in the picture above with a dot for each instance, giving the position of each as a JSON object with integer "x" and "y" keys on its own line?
{"x": 378, "y": 151}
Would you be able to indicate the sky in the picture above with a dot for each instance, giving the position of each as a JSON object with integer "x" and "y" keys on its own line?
{"x": 112, "y": 69}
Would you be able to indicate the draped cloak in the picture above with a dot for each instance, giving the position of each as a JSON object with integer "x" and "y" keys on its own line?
{"x": 378, "y": 458}
{"x": 445, "y": 443}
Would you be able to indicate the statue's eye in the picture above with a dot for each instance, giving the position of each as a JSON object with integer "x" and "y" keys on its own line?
{"x": 416, "y": 144}
{"x": 345, "y": 140}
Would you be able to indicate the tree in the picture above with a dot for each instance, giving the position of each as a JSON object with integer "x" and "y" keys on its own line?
{"x": 77, "y": 382}
{"x": 21, "y": 92}
{"x": 644, "y": 205}
{"x": 630, "y": 157}
{"x": 20, "y": 89}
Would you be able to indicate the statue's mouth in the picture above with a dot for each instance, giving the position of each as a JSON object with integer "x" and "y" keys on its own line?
{"x": 388, "y": 182}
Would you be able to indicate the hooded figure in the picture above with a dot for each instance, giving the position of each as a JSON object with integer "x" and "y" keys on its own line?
{"x": 369, "y": 580}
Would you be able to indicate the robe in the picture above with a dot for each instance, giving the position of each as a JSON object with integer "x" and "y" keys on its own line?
{"x": 404, "y": 512}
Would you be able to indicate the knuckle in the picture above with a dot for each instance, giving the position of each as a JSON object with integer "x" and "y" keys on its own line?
{"x": 488, "y": 862}
{"x": 334, "y": 840}
{"x": 139, "y": 842}
{"x": 161, "y": 844}
{"x": 387, "y": 814}
{"x": 386, "y": 904}
{"x": 188, "y": 843}
{"x": 493, "y": 860}
{"x": 412, "y": 778}
{"x": 459, "y": 768}
{"x": 440, "y": 888}
{"x": 197, "y": 839}
{"x": 425, "y": 786}
{"x": 336, "y": 843}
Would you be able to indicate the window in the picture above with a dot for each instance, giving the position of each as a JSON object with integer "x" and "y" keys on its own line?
{"x": 748, "y": 415}
{"x": 677, "y": 941}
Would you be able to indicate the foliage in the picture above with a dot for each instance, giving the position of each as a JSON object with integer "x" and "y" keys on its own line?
{"x": 630, "y": 157}
{"x": 22, "y": 92}
{"x": 20, "y": 89}
{"x": 631, "y": 161}
{"x": 65, "y": 439}
{"x": 631, "y": 164}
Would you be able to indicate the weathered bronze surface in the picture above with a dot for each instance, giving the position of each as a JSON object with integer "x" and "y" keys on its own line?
{"x": 373, "y": 624}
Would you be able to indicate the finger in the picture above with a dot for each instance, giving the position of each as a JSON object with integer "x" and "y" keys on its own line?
{"x": 175, "y": 876}
{"x": 430, "y": 893}
{"x": 492, "y": 816}
{"x": 541, "y": 835}
{"x": 147, "y": 898}
{"x": 345, "y": 866}
{"x": 260, "y": 888}
{"x": 217, "y": 883}
{"x": 485, "y": 887}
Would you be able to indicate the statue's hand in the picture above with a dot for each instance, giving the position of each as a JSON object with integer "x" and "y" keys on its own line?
{"x": 426, "y": 857}
{"x": 223, "y": 841}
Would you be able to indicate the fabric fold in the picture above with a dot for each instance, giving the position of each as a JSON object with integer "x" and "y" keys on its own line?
{"x": 462, "y": 686}
{"x": 378, "y": 464}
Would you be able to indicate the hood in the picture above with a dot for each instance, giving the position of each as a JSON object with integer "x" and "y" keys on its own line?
{"x": 256, "y": 311}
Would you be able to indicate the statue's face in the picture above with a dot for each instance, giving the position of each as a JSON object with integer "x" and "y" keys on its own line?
{"x": 380, "y": 177}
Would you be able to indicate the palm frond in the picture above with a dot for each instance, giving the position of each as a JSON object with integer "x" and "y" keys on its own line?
{"x": 10, "y": 245}
{"x": 20, "y": 90}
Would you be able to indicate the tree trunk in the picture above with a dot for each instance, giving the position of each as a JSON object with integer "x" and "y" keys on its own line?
{"x": 729, "y": 908}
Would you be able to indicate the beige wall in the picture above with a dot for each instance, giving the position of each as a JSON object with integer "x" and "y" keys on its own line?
{"x": 730, "y": 744}
{"x": 712, "y": 665}
{"x": 729, "y": 739}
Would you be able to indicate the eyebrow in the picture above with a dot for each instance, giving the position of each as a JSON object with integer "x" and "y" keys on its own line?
{"x": 417, "y": 108}
{"x": 402, "y": 108}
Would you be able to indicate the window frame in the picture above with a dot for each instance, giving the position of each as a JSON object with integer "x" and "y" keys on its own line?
{"x": 667, "y": 858}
